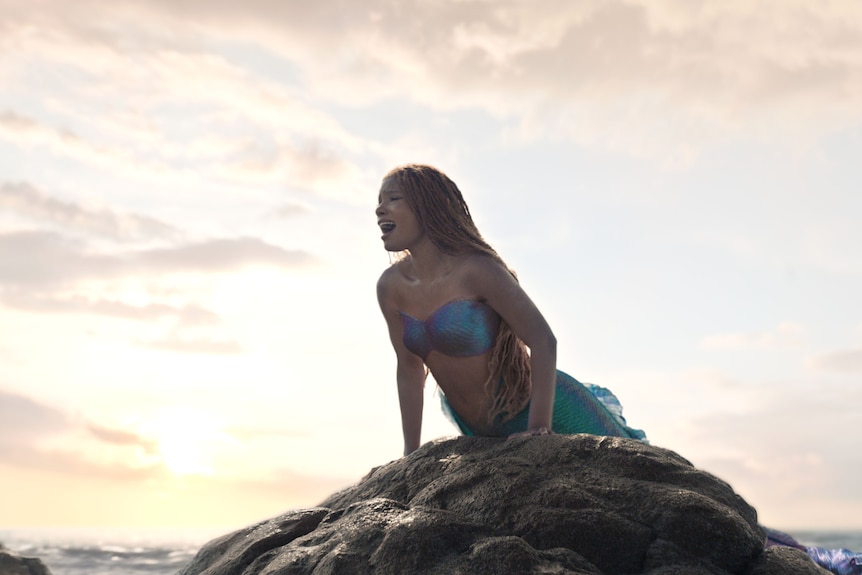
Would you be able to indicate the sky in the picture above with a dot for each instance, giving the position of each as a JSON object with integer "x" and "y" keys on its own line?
{"x": 189, "y": 332}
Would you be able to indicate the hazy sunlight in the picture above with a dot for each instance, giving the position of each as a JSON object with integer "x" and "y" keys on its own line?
{"x": 186, "y": 440}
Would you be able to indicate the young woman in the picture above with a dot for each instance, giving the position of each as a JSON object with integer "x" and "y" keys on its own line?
{"x": 455, "y": 309}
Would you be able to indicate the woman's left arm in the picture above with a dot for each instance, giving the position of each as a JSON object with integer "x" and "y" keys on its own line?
{"x": 505, "y": 295}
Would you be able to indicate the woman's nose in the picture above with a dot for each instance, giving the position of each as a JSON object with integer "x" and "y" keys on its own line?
{"x": 379, "y": 210}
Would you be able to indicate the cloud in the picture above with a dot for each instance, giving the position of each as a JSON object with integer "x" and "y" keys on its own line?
{"x": 848, "y": 361}
{"x": 28, "y": 132}
{"x": 306, "y": 165}
{"x": 28, "y": 428}
{"x": 180, "y": 112}
{"x": 23, "y": 420}
{"x": 664, "y": 77}
{"x": 787, "y": 335}
{"x": 44, "y": 272}
{"x": 37, "y": 258}
{"x": 70, "y": 463}
{"x": 648, "y": 71}
{"x": 219, "y": 255}
{"x": 30, "y": 202}
{"x": 121, "y": 437}
{"x": 28, "y": 300}
{"x": 16, "y": 123}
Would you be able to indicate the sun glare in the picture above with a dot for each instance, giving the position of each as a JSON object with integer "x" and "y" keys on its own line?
{"x": 186, "y": 440}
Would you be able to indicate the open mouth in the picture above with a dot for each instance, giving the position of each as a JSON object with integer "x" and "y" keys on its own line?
{"x": 386, "y": 227}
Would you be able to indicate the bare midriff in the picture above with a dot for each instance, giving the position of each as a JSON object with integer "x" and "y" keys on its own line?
{"x": 462, "y": 380}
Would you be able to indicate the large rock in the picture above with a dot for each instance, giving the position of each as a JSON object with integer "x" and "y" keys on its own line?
{"x": 14, "y": 564}
{"x": 576, "y": 504}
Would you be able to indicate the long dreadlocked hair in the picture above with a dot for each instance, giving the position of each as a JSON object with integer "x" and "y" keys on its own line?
{"x": 441, "y": 210}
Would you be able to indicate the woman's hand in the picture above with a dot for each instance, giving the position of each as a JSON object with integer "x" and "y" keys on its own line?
{"x": 531, "y": 433}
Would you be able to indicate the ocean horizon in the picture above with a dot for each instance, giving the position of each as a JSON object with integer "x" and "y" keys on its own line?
{"x": 110, "y": 551}
{"x": 164, "y": 551}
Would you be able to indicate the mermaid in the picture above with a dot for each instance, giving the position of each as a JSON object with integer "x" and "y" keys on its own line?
{"x": 454, "y": 308}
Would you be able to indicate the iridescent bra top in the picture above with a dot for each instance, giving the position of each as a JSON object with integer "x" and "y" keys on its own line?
{"x": 460, "y": 328}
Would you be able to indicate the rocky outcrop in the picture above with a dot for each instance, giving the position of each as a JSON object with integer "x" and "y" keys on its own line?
{"x": 576, "y": 504}
{"x": 13, "y": 564}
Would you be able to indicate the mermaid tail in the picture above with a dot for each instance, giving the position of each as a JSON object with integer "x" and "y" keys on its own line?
{"x": 610, "y": 402}
{"x": 839, "y": 561}
{"x": 578, "y": 408}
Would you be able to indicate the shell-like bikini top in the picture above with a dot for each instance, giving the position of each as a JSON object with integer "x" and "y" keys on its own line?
{"x": 459, "y": 328}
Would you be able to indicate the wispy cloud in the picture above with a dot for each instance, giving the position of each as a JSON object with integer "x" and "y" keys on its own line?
{"x": 30, "y": 202}
{"x": 27, "y": 300}
{"x": 30, "y": 430}
{"x": 46, "y": 258}
{"x": 121, "y": 437}
{"x": 23, "y": 420}
{"x": 218, "y": 255}
{"x": 29, "y": 133}
{"x": 183, "y": 110}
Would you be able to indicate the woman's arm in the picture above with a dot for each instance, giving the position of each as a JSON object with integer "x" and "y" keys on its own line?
{"x": 411, "y": 385}
{"x": 410, "y": 374}
{"x": 495, "y": 284}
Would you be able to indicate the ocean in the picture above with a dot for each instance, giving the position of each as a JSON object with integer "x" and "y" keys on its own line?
{"x": 166, "y": 551}
{"x": 109, "y": 551}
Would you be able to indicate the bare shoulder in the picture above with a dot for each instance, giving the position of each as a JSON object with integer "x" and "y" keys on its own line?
{"x": 482, "y": 269}
{"x": 386, "y": 277}
{"x": 390, "y": 281}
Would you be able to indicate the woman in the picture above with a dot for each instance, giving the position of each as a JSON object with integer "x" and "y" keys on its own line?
{"x": 455, "y": 309}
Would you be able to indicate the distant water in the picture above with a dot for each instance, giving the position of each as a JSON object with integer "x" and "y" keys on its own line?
{"x": 829, "y": 539}
{"x": 165, "y": 551}
{"x": 109, "y": 551}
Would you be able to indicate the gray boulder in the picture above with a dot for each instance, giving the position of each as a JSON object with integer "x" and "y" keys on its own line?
{"x": 14, "y": 564}
{"x": 558, "y": 504}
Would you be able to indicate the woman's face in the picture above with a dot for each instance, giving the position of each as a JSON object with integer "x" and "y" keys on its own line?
{"x": 401, "y": 229}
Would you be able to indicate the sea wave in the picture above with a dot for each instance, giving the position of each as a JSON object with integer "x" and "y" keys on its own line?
{"x": 109, "y": 552}
{"x": 832, "y": 539}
